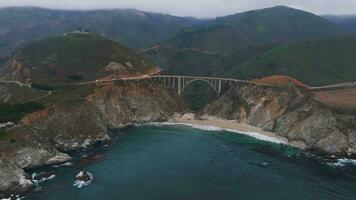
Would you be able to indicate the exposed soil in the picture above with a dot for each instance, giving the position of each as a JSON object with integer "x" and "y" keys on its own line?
{"x": 340, "y": 98}
{"x": 280, "y": 80}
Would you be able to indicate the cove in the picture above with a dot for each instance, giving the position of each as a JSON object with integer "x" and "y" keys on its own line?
{"x": 178, "y": 162}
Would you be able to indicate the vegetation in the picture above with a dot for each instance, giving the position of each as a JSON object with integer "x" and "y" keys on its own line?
{"x": 254, "y": 44}
{"x": 76, "y": 56}
{"x": 248, "y": 29}
{"x": 198, "y": 95}
{"x": 314, "y": 62}
{"x": 13, "y": 113}
{"x": 346, "y": 22}
{"x": 76, "y": 77}
{"x": 42, "y": 87}
{"x": 130, "y": 27}
{"x": 3, "y": 134}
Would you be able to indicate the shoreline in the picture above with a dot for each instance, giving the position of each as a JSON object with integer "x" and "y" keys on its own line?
{"x": 217, "y": 124}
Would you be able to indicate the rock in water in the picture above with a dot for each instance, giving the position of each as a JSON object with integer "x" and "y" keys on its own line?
{"x": 83, "y": 179}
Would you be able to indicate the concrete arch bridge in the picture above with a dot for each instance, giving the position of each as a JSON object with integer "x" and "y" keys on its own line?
{"x": 181, "y": 82}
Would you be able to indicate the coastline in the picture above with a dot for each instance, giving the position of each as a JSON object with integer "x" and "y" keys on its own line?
{"x": 217, "y": 124}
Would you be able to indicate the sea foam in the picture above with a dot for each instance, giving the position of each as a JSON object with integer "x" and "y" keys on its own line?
{"x": 82, "y": 183}
{"x": 255, "y": 135}
{"x": 342, "y": 162}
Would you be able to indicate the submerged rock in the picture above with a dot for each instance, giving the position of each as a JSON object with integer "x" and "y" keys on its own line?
{"x": 84, "y": 178}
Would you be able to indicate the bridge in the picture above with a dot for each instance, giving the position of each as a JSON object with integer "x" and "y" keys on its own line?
{"x": 181, "y": 82}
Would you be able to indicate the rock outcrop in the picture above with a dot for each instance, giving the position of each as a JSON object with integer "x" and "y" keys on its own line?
{"x": 290, "y": 112}
{"x": 39, "y": 137}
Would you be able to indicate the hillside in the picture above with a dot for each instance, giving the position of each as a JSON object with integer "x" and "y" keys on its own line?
{"x": 258, "y": 27}
{"x": 226, "y": 43}
{"x": 280, "y": 80}
{"x": 347, "y": 22}
{"x": 132, "y": 28}
{"x": 314, "y": 62}
{"x": 72, "y": 58}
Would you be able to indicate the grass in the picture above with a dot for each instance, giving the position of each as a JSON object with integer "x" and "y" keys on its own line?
{"x": 14, "y": 112}
{"x": 3, "y": 134}
{"x": 76, "y": 57}
{"x": 314, "y": 61}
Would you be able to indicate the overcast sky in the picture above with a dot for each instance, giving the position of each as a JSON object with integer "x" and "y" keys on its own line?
{"x": 197, "y": 8}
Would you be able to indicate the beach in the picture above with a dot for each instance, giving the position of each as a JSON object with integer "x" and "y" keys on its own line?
{"x": 215, "y": 124}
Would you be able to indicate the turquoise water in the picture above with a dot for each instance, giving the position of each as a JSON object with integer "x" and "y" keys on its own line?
{"x": 182, "y": 163}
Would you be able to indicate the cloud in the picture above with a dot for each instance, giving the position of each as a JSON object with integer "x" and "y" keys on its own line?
{"x": 197, "y": 8}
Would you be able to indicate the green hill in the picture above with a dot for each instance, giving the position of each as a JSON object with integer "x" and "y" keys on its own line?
{"x": 315, "y": 62}
{"x": 226, "y": 43}
{"x": 346, "y": 22}
{"x": 74, "y": 57}
{"x": 130, "y": 27}
{"x": 258, "y": 27}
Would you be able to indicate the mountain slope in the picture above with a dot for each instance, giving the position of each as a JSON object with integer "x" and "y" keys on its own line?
{"x": 315, "y": 62}
{"x": 227, "y": 42}
{"x": 266, "y": 26}
{"x": 347, "y": 23}
{"x": 72, "y": 58}
{"x": 132, "y": 28}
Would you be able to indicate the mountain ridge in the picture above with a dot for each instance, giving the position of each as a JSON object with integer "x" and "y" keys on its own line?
{"x": 73, "y": 58}
{"x": 133, "y": 28}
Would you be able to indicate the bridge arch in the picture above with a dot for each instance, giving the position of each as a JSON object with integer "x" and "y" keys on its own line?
{"x": 181, "y": 82}
{"x": 201, "y": 80}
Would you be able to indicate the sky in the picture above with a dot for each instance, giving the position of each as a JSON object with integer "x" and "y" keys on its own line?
{"x": 195, "y": 8}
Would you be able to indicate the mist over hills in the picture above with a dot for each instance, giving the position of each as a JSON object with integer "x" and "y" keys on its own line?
{"x": 130, "y": 27}
{"x": 347, "y": 22}
{"x": 243, "y": 45}
{"x": 277, "y": 40}
{"x": 257, "y": 27}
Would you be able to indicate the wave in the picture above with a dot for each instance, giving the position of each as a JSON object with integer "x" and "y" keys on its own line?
{"x": 64, "y": 164}
{"x": 342, "y": 162}
{"x": 13, "y": 197}
{"x": 81, "y": 182}
{"x": 255, "y": 135}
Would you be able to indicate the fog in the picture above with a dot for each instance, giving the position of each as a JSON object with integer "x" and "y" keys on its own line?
{"x": 196, "y": 8}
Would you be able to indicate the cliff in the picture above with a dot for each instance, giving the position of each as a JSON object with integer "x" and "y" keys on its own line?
{"x": 291, "y": 112}
{"x": 68, "y": 124}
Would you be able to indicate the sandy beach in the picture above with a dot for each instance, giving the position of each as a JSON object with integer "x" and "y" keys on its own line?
{"x": 213, "y": 123}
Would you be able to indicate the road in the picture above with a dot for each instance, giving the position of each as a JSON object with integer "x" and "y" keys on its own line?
{"x": 16, "y": 82}
{"x": 334, "y": 86}
{"x": 154, "y": 75}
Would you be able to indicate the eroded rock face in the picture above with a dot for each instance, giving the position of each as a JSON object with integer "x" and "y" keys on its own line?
{"x": 17, "y": 71}
{"x": 292, "y": 113}
{"x": 13, "y": 179}
{"x": 41, "y": 136}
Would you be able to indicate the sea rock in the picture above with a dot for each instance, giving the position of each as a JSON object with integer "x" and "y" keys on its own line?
{"x": 39, "y": 137}
{"x": 13, "y": 179}
{"x": 84, "y": 178}
{"x": 33, "y": 157}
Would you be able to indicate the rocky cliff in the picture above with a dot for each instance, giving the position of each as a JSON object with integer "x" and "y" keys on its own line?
{"x": 66, "y": 125}
{"x": 290, "y": 112}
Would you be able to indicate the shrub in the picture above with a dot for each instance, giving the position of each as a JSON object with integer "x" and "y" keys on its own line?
{"x": 14, "y": 112}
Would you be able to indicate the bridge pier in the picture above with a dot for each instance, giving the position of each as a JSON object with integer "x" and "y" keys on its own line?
{"x": 179, "y": 85}
{"x": 180, "y": 82}
{"x": 219, "y": 87}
